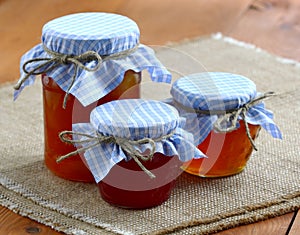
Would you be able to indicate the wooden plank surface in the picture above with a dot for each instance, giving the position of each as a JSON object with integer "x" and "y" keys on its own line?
{"x": 159, "y": 21}
{"x": 295, "y": 226}
{"x": 278, "y": 225}
{"x": 273, "y": 25}
{"x": 270, "y": 24}
{"x": 13, "y": 224}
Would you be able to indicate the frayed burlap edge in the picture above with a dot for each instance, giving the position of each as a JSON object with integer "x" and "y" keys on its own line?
{"x": 19, "y": 204}
{"x": 34, "y": 210}
{"x": 249, "y": 214}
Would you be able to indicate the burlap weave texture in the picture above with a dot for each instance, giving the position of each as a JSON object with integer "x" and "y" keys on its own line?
{"x": 269, "y": 186}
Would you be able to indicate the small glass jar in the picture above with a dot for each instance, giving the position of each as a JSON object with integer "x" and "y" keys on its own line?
{"x": 225, "y": 114}
{"x": 136, "y": 190}
{"x": 134, "y": 149}
{"x": 85, "y": 59}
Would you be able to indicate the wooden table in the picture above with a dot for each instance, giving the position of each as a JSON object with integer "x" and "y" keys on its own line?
{"x": 270, "y": 24}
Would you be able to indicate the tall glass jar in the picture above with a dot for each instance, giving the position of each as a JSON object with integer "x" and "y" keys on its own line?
{"x": 225, "y": 114}
{"x": 134, "y": 148}
{"x": 58, "y": 119}
{"x": 85, "y": 59}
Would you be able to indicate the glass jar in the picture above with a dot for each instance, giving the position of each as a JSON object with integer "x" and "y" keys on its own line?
{"x": 134, "y": 149}
{"x": 85, "y": 59}
{"x": 136, "y": 190}
{"x": 225, "y": 114}
{"x": 227, "y": 153}
{"x": 53, "y": 96}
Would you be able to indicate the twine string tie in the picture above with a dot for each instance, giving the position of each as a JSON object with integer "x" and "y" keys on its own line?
{"x": 126, "y": 144}
{"x": 231, "y": 116}
{"x": 57, "y": 59}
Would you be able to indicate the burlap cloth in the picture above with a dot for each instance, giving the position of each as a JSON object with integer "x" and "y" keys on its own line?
{"x": 268, "y": 187}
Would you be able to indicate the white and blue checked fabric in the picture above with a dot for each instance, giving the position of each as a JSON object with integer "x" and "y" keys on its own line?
{"x": 218, "y": 91}
{"x": 134, "y": 119}
{"x": 104, "y": 33}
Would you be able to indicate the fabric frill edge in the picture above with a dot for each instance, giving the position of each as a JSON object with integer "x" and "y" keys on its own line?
{"x": 180, "y": 144}
{"x": 142, "y": 59}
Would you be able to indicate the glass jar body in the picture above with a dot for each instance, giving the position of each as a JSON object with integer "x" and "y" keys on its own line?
{"x": 127, "y": 186}
{"x": 57, "y": 119}
{"x": 228, "y": 153}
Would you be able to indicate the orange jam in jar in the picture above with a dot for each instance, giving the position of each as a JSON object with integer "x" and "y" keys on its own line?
{"x": 85, "y": 59}
{"x": 225, "y": 113}
{"x": 58, "y": 119}
{"x": 227, "y": 153}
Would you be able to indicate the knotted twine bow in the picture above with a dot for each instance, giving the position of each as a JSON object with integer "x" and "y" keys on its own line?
{"x": 231, "y": 116}
{"x": 126, "y": 144}
{"x": 78, "y": 61}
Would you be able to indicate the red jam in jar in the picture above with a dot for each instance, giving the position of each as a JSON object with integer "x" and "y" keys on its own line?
{"x": 128, "y": 186}
{"x": 57, "y": 119}
{"x": 134, "y": 149}
{"x": 227, "y": 153}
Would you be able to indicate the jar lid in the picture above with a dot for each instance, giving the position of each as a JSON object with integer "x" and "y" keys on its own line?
{"x": 213, "y": 91}
{"x": 139, "y": 123}
{"x": 135, "y": 119}
{"x": 218, "y": 101}
{"x": 105, "y": 33}
{"x": 112, "y": 40}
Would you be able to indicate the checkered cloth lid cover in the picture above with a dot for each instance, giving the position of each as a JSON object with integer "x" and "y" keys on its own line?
{"x": 134, "y": 119}
{"x": 104, "y": 33}
{"x": 218, "y": 91}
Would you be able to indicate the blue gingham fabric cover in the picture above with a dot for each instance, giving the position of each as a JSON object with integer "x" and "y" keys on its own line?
{"x": 105, "y": 33}
{"x": 218, "y": 91}
{"x": 134, "y": 119}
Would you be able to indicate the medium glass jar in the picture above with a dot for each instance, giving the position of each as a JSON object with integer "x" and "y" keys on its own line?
{"x": 58, "y": 119}
{"x": 227, "y": 153}
{"x": 225, "y": 114}
{"x": 134, "y": 149}
{"x": 85, "y": 59}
